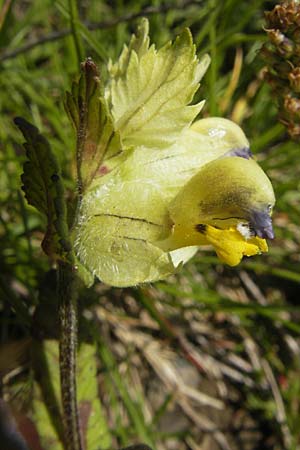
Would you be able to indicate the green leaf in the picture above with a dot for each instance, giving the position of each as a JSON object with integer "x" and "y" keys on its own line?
{"x": 46, "y": 407}
{"x": 95, "y": 430}
{"x": 96, "y": 138}
{"x": 150, "y": 89}
{"x": 46, "y": 404}
{"x": 44, "y": 189}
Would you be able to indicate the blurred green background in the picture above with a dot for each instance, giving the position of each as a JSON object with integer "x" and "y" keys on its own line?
{"x": 210, "y": 358}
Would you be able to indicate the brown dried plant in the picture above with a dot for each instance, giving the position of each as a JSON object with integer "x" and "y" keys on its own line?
{"x": 282, "y": 55}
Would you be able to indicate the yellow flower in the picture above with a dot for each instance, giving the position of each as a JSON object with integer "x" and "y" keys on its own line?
{"x": 227, "y": 204}
{"x": 168, "y": 184}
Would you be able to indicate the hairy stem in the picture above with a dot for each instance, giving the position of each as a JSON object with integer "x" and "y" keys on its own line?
{"x": 68, "y": 294}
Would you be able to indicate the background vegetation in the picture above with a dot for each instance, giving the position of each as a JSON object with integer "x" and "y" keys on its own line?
{"x": 208, "y": 359}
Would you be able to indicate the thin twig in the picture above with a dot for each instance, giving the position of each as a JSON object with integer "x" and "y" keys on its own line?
{"x": 56, "y": 35}
{"x": 205, "y": 424}
{"x": 280, "y": 408}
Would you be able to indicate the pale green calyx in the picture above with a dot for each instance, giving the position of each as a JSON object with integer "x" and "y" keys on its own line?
{"x": 145, "y": 212}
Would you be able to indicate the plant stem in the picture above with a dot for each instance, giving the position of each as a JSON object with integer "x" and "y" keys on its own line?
{"x": 213, "y": 66}
{"x": 75, "y": 32}
{"x": 68, "y": 295}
